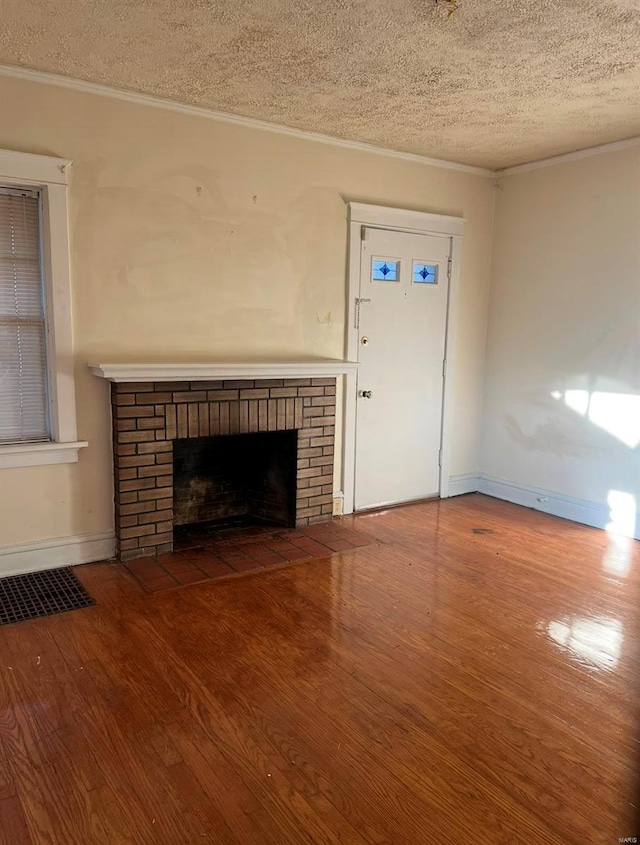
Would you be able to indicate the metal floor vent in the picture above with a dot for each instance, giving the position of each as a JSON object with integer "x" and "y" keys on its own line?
{"x": 40, "y": 594}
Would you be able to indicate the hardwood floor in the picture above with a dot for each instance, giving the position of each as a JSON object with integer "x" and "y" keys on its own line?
{"x": 470, "y": 677}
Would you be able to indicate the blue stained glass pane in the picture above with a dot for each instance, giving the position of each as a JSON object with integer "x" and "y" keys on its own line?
{"x": 384, "y": 271}
{"x": 425, "y": 274}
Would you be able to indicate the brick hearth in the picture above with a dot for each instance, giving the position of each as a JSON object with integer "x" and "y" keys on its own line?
{"x": 148, "y": 417}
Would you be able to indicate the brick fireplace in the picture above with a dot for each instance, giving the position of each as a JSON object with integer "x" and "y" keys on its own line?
{"x": 150, "y": 416}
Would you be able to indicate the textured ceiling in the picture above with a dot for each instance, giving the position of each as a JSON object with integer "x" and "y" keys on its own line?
{"x": 498, "y": 83}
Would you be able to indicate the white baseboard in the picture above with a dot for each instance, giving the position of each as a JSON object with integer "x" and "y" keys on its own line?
{"x": 51, "y": 554}
{"x": 459, "y": 484}
{"x": 556, "y": 504}
{"x": 85, "y": 548}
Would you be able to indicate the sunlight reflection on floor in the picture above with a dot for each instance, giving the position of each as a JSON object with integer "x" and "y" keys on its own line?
{"x": 597, "y": 640}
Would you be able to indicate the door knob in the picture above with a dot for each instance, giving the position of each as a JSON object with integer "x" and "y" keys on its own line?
{"x": 366, "y": 394}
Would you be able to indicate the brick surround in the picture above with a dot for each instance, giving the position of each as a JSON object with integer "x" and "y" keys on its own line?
{"x": 148, "y": 416}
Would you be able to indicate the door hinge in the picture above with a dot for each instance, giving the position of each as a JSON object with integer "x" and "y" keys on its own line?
{"x": 444, "y": 367}
{"x": 363, "y": 233}
{"x": 440, "y": 458}
{"x": 449, "y": 268}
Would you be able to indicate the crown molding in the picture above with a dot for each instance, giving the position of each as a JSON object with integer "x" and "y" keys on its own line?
{"x": 45, "y": 78}
{"x": 613, "y": 147}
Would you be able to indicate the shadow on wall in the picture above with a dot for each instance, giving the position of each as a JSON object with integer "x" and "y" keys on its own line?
{"x": 616, "y": 413}
{"x": 597, "y": 422}
{"x": 619, "y": 415}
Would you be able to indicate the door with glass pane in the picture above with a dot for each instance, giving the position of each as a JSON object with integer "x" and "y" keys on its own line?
{"x": 401, "y": 317}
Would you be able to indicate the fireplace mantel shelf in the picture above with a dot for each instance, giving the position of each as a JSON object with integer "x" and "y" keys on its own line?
{"x": 156, "y": 372}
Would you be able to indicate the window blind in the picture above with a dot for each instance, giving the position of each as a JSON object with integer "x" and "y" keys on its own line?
{"x": 23, "y": 380}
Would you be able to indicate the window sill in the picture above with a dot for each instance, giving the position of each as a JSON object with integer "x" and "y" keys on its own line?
{"x": 39, "y": 454}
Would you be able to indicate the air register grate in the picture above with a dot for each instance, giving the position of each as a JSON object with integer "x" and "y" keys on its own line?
{"x": 40, "y": 594}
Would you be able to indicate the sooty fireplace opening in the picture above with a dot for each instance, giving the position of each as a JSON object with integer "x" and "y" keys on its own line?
{"x": 247, "y": 476}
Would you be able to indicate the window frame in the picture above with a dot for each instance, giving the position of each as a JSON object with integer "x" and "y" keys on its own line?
{"x": 48, "y": 174}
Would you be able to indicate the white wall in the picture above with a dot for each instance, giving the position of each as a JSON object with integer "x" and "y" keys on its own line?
{"x": 197, "y": 239}
{"x": 562, "y": 381}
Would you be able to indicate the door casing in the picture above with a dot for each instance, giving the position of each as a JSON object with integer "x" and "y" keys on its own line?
{"x": 416, "y": 222}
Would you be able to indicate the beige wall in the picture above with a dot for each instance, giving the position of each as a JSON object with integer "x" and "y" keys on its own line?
{"x": 561, "y": 409}
{"x": 197, "y": 239}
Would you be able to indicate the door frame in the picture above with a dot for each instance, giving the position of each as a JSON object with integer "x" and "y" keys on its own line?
{"x": 417, "y": 223}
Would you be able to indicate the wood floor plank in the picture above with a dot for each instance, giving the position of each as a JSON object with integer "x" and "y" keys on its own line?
{"x": 13, "y": 825}
{"x": 361, "y": 709}
{"x": 358, "y": 698}
{"x": 471, "y": 675}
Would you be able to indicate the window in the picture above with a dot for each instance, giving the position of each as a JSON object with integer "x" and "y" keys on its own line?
{"x": 425, "y": 274}
{"x": 384, "y": 270}
{"x": 37, "y": 393}
{"x": 23, "y": 361}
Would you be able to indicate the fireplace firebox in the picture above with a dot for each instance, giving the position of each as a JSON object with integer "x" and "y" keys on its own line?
{"x": 250, "y": 476}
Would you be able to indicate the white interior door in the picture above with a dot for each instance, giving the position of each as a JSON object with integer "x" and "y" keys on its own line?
{"x": 401, "y": 318}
